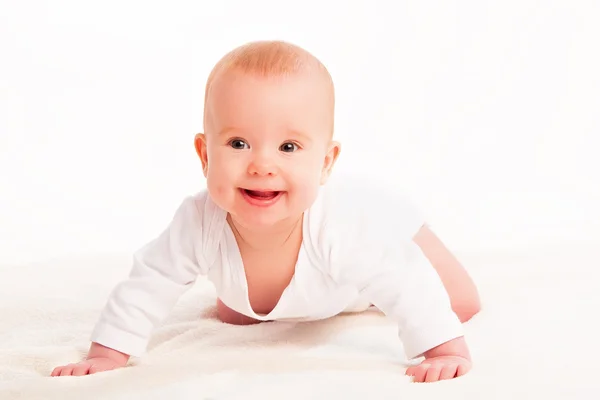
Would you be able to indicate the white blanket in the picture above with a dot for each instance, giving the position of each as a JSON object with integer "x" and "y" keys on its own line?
{"x": 537, "y": 336}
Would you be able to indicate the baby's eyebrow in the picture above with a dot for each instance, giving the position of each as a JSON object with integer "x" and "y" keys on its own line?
{"x": 297, "y": 133}
{"x": 228, "y": 130}
{"x": 289, "y": 133}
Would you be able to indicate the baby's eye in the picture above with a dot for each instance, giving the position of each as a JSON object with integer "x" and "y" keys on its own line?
{"x": 288, "y": 147}
{"x": 238, "y": 144}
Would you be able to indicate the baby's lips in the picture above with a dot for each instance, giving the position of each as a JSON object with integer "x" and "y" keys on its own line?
{"x": 262, "y": 193}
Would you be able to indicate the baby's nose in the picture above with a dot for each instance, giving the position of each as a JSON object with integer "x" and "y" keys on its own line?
{"x": 263, "y": 166}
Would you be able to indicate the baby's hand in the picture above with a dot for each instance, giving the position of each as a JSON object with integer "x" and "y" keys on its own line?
{"x": 439, "y": 368}
{"x": 87, "y": 367}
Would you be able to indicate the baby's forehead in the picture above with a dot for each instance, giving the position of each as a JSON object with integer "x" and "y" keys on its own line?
{"x": 266, "y": 63}
{"x": 238, "y": 90}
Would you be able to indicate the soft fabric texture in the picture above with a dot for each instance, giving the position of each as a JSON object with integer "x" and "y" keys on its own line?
{"x": 536, "y": 337}
{"x": 357, "y": 249}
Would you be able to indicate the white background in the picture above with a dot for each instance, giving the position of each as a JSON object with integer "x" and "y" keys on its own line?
{"x": 485, "y": 112}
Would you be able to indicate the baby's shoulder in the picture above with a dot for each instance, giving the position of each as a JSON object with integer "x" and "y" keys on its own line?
{"x": 359, "y": 205}
{"x": 203, "y": 204}
{"x": 199, "y": 222}
{"x": 358, "y": 218}
{"x": 198, "y": 212}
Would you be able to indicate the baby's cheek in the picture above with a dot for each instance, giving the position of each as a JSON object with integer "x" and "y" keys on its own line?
{"x": 217, "y": 186}
{"x": 306, "y": 191}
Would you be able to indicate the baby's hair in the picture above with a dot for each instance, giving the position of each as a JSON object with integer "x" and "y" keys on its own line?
{"x": 268, "y": 59}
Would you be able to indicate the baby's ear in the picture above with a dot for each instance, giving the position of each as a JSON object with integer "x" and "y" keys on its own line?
{"x": 330, "y": 158}
{"x": 200, "y": 145}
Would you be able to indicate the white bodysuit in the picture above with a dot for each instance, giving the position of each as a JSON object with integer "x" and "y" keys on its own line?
{"x": 357, "y": 250}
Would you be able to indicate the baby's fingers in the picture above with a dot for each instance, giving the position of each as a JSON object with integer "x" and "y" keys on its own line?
{"x": 67, "y": 370}
{"x": 81, "y": 369}
{"x": 448, "y": 372}
{"x": 419, "y": 373}
{"x": 433, "y": 373}
{"x": 462, "y": 369}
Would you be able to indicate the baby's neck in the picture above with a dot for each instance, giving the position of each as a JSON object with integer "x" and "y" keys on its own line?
{"x": 286, "y": 233}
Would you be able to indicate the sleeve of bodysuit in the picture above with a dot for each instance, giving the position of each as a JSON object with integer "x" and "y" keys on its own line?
{"x": 163, "y": 270}
{"x": 369, "y": 244}
{"x": 406, "y": 287}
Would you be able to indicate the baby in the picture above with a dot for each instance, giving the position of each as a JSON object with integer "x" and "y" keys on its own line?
{"x": 278, "y": 242}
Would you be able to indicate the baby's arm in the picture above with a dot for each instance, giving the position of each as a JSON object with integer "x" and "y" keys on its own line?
{"x": 162, "y": 271}
{"x": 406, "y": 287}
{"x": 463, "y": 293}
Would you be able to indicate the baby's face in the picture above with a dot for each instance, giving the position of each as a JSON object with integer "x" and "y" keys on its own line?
{"x": 267, "y": 146}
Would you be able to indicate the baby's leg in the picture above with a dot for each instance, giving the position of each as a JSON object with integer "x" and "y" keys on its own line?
{"x": 230, "y": 316}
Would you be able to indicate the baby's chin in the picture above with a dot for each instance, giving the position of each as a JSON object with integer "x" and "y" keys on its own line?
{"x": 265, "y": 221}
{"x": 261, "y": 219}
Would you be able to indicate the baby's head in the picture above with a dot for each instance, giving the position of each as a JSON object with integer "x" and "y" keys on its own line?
{"x": 268, "y": 124}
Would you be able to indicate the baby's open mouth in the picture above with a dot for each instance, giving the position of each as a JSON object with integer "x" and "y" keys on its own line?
{"x": 261, "y": 194}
